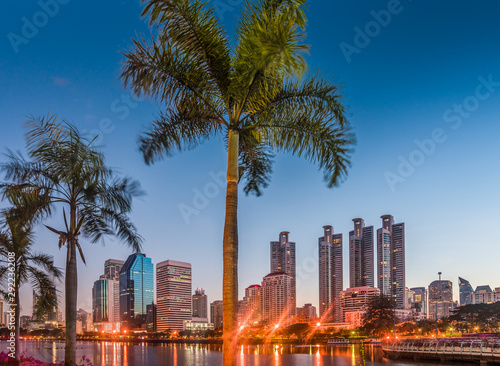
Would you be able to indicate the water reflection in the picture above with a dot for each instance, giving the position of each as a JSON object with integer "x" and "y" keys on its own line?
{"x": 130, "y": 354}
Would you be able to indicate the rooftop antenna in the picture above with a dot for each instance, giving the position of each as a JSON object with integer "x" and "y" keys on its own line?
{"x": 439, "y": 274}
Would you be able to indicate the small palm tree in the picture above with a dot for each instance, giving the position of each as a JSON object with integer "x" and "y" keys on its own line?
{"x": 20, "y": 265}
{"x": 66, "y": 170}
{"x": 252, "y": 94}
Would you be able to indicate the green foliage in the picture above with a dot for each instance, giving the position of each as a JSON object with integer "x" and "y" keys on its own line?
{"x": 379, "y": 317}
{"x": 256, "y": 88}
{"x": 476, "y": 317}
{"x": 65, "y": 169}
{"x": 31, "y": 267}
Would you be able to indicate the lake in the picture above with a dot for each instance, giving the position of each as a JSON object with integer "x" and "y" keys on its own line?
{"x": 129, "y": 354}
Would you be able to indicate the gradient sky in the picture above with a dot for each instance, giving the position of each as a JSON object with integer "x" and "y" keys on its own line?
{"x": 408, "y": 81}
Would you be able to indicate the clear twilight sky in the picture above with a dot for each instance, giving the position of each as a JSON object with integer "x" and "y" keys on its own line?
{"x": 431, "y": 71}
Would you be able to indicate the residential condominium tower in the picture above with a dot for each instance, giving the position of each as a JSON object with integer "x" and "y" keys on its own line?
{"x": 330, "y": 275}
{"x": 283, "y": 260}
{"x": 361, "y": 251}
{"x": 173, "y": 295}
{"x": 391, "y": 260}
{"x": 136, "y": 291}
{"x": 276, "y": 298}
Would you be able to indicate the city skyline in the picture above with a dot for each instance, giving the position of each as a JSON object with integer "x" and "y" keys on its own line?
{"x": 112, "y": 269}
{"x": 404, "y": 92}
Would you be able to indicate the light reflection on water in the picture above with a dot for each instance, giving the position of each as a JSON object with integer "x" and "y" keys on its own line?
{"x": 129, "y": 354}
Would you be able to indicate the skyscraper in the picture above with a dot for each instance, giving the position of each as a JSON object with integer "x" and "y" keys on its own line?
{"x": 466, "y": 291}
{"x": 173, "y": 295}
{"x": 330, "y": 274}
{"x": 361, "y": 259}
{"x": 216, "y": 314}
{"x": 136, "y": 291}
{"x": 112, "y": 268}
{"x": 105, "y": 302}
{"x": 440, "y": 298}
{"x": 200, "y": 304}
{"x": 283, "y": 260}
{"x": 391, "y": 260}
{"x": 276, "y": 298}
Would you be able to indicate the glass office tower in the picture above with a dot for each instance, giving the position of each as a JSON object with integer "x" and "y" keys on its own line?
{"x": 136, "y": 291}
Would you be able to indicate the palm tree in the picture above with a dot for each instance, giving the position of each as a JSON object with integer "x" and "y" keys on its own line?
{"x": 19, "y": 265}
{"x": 66, "y": 170}
{"x": 253, "y": 94}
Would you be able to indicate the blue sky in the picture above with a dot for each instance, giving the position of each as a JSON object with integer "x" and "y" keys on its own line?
{"x": 430, "y": 71}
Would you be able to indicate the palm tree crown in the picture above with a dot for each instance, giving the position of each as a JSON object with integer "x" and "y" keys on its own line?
{"x": 65, "y": 169}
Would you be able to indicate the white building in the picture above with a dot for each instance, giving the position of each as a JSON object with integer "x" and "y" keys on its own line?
{"x": 276, "y": 298}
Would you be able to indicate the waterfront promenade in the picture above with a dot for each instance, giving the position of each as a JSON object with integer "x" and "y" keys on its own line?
{"x": 477, "y": 349}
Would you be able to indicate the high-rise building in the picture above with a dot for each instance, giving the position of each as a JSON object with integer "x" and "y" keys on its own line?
{"x": 173, "y": 295}
{"x": 466, "y": 291}
{"x": 106, "y": 302}
{"x": 419, "y": 299}
{"x": 151, "y": 318}
{"x": 330, "y": 274}
{"x": 216, "y": 314}
{"x": 483, "y": 295}
{"x": 112, "y": 268}
{"x": 391, "y": 260}
{"x": 361, "y": 251}
{"x": 276, "y": 297}
{"x": 440, "y": 299}
{"x": 199, "y": 304}
{"x": 250, "y": 311}
{"x": 283, "y": 260}
{"x": 354, "y": 301}
{"x": 1, "y": 317}
{"x": 136, "y": 291}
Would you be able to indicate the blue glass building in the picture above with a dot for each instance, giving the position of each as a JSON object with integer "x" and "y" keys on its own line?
{"x": 466, "y": 291}
{"x": 136, "y": 291}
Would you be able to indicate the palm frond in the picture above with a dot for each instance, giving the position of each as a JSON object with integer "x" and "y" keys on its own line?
{"x": 180, "y": 128}
{"x": 193, "y": 29}
{"x": 310, "y": 132}
{"x": 255, "y": 162}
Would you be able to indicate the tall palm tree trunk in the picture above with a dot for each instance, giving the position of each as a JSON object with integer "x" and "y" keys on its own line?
{"x": 230, "y": 256}
{"x": 71, "y": 287}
